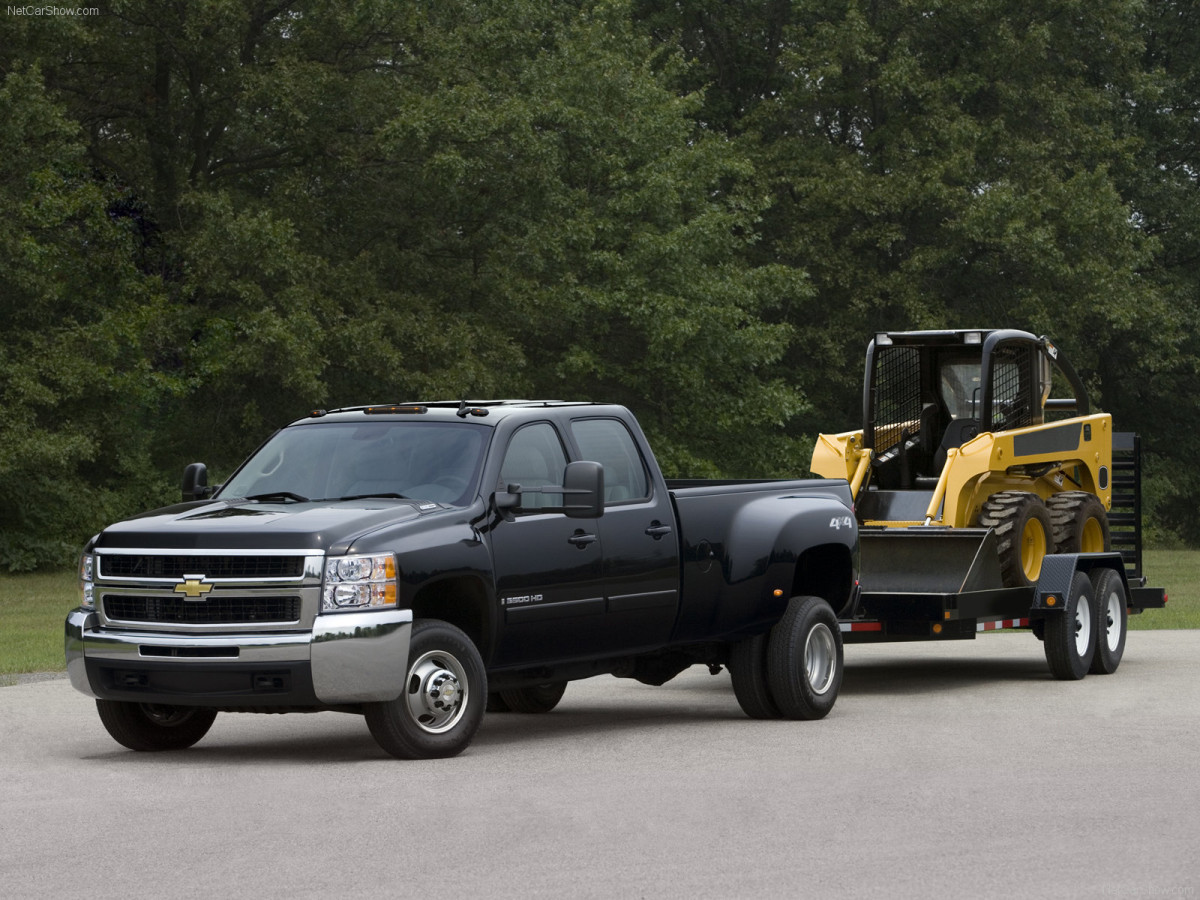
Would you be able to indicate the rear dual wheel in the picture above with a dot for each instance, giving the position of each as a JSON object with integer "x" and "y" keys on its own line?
{"x": 795, "y": 670}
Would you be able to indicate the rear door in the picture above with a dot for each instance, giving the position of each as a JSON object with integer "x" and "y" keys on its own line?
{"x": 637, "y": 533}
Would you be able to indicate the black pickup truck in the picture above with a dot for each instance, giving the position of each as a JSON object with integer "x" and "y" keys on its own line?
{"x": 420, "y": 563}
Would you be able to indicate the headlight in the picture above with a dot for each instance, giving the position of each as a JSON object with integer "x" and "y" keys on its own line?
{"x": 359, "y": 582}
{"x": 87, "y": 597}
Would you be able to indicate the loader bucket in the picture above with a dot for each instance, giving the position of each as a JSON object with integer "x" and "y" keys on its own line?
{"x": 922, "y": 560}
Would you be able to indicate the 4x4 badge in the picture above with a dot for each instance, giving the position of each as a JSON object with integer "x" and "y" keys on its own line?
{"x": 193, "y": 587}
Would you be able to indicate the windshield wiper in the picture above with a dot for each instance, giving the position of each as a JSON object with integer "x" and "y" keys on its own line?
{"x": 279, "y": 495}
{"x": 386, "y": 496}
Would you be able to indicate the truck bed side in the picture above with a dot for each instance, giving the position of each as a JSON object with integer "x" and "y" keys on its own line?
{"x": 748, "y": 546}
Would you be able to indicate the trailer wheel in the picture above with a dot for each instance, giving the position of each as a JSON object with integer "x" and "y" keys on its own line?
{"x": 443, "y": 700}
{"x": 1071, "y": 633}
{"x": 804, "y": 659}
{"x": 540, "y": 698}
{"x": 1111, "y": 621}
{"x": 1080, "y": 523}
{"x": 152, "y": 726}
{"x": 748, "y": 670}
{"x": 1024, "y": 534}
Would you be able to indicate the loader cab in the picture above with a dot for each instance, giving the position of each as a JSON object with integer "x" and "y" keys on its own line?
{"x": 926, "y": 392}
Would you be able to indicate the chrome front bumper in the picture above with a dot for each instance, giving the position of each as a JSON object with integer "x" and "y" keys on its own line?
{"x": 357, "y": 657}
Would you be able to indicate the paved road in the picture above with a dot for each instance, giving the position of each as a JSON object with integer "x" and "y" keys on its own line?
{"x": 945, "y": 770}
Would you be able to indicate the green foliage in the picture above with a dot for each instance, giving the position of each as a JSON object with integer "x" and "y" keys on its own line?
{"x": 219, "y": 215}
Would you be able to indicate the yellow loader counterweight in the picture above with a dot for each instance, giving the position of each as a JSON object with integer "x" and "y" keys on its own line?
{"x": 978, "y": 429}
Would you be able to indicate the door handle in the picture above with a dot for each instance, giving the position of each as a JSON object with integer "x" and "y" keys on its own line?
{"x": 581, "y": 540}
{"x": 657, "y": 530}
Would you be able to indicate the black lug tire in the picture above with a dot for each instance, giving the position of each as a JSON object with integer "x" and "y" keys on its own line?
{"x": 748, "y": 671}
{"x": 410, "y": 727}
{"x": 1112, "y": 620}
{"x": 538, "y": 698}
{"x": 804, "y": 659}
{"x": 496, "y": 704}
{"x": 1080, "y": 523}
{"x": 1071, "y": 634}
{"x": 152, "y": 727}
{"x": 1024, "y": 534}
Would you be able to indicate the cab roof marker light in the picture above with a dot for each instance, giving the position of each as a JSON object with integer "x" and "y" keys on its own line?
{"x": 390, "y": 410}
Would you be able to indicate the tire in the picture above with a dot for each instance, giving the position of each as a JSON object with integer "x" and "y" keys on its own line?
{"x": 540, "y": 698}
{"x": 496, "y": 704}
{"x": 748, "y": 670}
{"x": 444, "y": 697}
{"x": 1071, "y": 634}
{"x": 152, "y": 727}
{"x": 1080, "y": 523}
{"x": 1024, "y": 534}
{"x": 1112, "y": 614}
{"x": 804, "y": 659}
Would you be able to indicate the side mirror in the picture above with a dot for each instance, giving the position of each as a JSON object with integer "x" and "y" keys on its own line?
{"x": 195, "y": 483}
{"x": 583, "y": 490}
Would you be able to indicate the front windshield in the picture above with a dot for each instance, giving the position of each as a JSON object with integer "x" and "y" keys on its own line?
{"x": 338, "y": 460}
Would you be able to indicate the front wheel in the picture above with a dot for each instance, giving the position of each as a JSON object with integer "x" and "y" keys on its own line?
{"x": 804, "y": 659}
{"x": 153, "y": 726}
{"x": 444, "y": 696}
{"x": 1071, "y": 634}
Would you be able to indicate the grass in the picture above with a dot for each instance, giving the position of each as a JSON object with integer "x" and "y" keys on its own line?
{"x": 33, "y": 608}
{"x": 32, "y": 611}
{"x": 1179, "y": 572}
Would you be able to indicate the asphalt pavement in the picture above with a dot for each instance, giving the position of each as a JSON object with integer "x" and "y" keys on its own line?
{"x": 956, "y": 769}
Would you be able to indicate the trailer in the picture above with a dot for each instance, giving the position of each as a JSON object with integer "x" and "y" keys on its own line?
{"x": 941, "y": 583}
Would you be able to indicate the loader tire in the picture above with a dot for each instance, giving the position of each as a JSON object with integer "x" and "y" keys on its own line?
{"x": 1024, "y": 534}
{"x": 1080, "y": 523}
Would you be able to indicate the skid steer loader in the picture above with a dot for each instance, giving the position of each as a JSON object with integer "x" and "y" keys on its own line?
{"x": 961, "y": 431}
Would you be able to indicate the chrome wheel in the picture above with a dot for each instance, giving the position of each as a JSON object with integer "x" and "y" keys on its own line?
{"x": 820, "y": 658}
{"x": 437, "y": 691}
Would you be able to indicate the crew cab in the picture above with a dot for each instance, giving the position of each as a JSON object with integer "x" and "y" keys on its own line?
{"x": 419, "y": 563}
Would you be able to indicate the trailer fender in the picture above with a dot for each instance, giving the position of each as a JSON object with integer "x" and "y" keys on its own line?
{"x": 1058, "y": 569}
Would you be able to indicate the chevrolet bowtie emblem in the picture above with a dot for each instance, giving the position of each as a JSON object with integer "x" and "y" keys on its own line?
{"x": 193, "y": 586}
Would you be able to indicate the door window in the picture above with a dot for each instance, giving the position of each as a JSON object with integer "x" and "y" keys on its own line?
{"x": 608, "y": 442}
{"x": 535, "y": 458}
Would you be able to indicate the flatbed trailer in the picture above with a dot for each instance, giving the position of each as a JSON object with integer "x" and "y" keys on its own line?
{"x": 928, "y": 583}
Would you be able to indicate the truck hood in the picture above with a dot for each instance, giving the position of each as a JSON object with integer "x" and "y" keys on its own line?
{"x": 235, "y": 525}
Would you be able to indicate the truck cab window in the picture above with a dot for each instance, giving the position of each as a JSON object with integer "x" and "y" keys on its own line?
{"x": 608, "y": 442}
{"x": 535, "y": 458}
